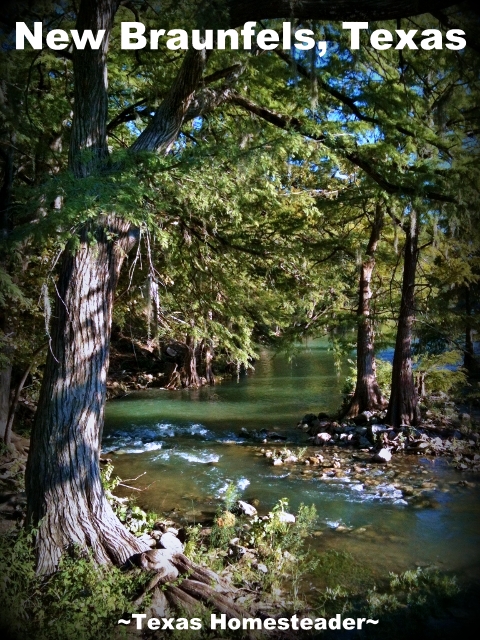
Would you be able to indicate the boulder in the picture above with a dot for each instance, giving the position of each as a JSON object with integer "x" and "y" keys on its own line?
{"x": 363, "y": 418}
{"x": 382, "y": 456}
{"x": 422, "y": 445}
{"x": 246, "y": 509}
{"x": 322, "y": 438}
{"x": 273, "y": 435}
{"x": 170, "y": 542}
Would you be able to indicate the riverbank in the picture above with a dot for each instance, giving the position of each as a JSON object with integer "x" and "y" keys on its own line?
{"x": 264, "y": 566}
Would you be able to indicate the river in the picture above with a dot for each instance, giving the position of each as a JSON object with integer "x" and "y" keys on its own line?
{"x": 190, "y": 447}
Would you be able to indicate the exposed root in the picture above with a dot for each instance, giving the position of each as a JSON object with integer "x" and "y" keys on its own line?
{"x": 197, "y": 589}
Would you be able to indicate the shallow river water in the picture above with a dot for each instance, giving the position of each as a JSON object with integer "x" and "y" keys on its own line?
{"x": 189, "y": 444}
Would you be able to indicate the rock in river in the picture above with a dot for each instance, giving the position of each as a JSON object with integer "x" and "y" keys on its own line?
{"x": 382, "y": 456}
{"x": 322, "y": 438}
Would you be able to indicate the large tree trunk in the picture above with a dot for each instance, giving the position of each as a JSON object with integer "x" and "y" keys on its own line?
{"x": 64, "y": 492}
{"x": 65, "y": 495}
{"x": 403, "y": 406}
{"x": 367, "y": 395}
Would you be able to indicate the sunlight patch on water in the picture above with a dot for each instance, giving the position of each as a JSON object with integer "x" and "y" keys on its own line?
{"x": 203, "y": 458}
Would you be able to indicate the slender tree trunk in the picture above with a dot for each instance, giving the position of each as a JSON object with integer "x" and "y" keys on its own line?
{"x": 403, "y": 406}
{"x": 5, "y": 324}
{"x": 189, "y": 374}
{"x": 5, "y": 381}
{"x": 208, "y": 355}
{"x": 16, "y": 396}
{"x": 470, "y": 362}
{"x": 367, "y": 395}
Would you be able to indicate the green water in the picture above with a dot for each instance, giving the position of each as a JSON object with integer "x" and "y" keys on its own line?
{"x": 188, "y": 445}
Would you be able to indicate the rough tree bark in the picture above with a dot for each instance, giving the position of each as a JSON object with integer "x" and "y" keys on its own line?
{"x": 403, "y": 405}
{"x": 64, "y": 490}
{"x": 63, "y": 483}
{"x": 367, "y": 395}
{"x": 185, "y": 375}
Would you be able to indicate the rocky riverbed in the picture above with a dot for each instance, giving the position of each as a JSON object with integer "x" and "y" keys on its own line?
{"x": 458, "y": 439}
{"x": 374, "y": 462}
{"x": 403, "y": 481}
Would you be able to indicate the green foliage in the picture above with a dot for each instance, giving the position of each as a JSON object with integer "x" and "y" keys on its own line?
{"x": 341, "y": 570}
{"x": 384, "y": 376}
{"x": 423, "y": 592}
{"x": 254, "y": 234}
{"x": 81, "y": 600}
{"x": 135, "y": 519}
{"x": 443, "y": 373}
{"x": 403, "y": 603}
{"x": 281, "y": 560}
{"x": 223, "y": 528}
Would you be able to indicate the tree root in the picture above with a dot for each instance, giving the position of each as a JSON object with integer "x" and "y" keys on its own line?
{"x": 182, "y": 601}
{"x": 201, "y": 574}
{"x": 197, "y": 589}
